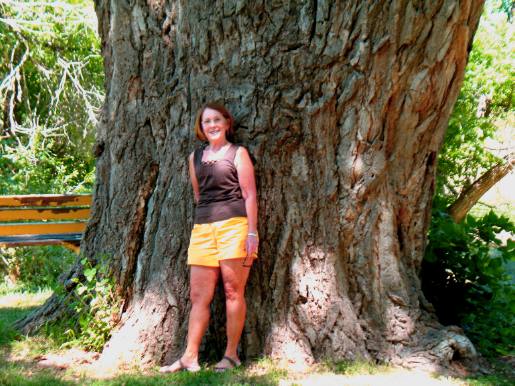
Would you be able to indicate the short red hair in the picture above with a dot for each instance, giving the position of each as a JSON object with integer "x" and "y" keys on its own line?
{"x": 199, "y": 132}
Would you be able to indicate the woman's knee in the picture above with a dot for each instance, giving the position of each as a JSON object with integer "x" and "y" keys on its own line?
{"x": 234, "y": 292}
{"x": 202, "y": 284}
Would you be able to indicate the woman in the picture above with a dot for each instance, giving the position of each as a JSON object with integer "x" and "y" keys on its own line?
{"x": 224, "y": 238}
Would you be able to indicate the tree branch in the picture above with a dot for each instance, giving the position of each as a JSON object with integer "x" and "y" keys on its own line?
{"x": 459, "y": 208}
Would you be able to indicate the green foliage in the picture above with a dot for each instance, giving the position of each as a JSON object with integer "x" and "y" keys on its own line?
{"x": 489, "y": 74}
{"x": 32, "y": 268}
{"x": 507, "y": 6}
{"x": 95, "y": 308}
{"x": 51, "y": 88}
{"x": 465, "y": 269}
{"x": 464, "y": 275}
{"x": 44, "y": 171}
{"x": 362, "y": 366}
{"x": 490, "y": 380}
{"x": 93, "y": 305}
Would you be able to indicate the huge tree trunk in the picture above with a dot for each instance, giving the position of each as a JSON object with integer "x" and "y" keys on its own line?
{"x": 344, "y": 105}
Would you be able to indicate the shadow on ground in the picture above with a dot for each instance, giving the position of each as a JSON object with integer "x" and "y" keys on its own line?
{"x": 9, "y": 315}
{"x": 23, "y": 369}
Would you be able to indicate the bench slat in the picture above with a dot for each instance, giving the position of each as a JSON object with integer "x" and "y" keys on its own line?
{"x": 60, "y": 237}
{"x": 32, "y": 200}
{"x": 18, "y": 213}
{"x": 68, "y": 240}
{"x": 41, "y": 228}
{"x": 44, "y": 214}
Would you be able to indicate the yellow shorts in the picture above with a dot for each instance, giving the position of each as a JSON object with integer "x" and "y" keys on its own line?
{"x": 219, "y": 240}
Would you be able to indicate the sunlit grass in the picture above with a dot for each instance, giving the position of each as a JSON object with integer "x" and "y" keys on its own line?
{"x": 21, "y": 299}
{"x": 395, "y": 377}
{"x": 354, "y": 367}
{"x": 15, "y": 305}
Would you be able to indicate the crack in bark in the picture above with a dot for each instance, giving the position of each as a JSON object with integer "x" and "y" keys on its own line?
{"x": 312, "y": 31}
{"x": 137, "y": 230}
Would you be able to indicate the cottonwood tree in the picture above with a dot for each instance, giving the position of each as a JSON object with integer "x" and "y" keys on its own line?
{"x": 343, "y": 105}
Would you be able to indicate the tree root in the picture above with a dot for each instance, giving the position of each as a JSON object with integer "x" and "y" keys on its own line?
{"x": 445, "y": 351}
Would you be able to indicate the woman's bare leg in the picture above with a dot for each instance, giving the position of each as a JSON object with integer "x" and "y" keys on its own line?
{"x": 234, "y": 276}
{"x": 202, "y": 287}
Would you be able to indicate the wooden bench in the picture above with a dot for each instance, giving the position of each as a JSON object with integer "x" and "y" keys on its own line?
{"x": 49, "y": 219}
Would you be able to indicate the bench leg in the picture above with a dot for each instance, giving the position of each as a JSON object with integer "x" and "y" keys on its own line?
{"x": 73, "y": 247}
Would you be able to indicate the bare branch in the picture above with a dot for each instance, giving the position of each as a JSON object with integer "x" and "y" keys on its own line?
{"x": 9, "y": 79}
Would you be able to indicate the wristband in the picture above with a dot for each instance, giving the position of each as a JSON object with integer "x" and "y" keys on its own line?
{"x": 252, "y": 234}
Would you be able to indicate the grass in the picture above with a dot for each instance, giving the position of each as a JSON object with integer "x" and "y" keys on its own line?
{"x": 15, "y": 305}
{"x": 19, "y": 354}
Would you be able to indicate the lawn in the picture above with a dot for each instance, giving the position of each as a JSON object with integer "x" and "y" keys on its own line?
{"x": 42, "y": 360}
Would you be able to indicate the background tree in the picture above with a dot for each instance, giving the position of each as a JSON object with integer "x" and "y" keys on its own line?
{"x": 466, "y": 269}
{"x": 344, "y": 107}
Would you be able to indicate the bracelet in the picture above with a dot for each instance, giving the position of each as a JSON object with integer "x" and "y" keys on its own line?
{"x": 252, "y": 234}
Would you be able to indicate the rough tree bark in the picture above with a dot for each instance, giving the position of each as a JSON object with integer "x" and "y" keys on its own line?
{"x": 344, "y": 105}
{"x": 470, "y": 196}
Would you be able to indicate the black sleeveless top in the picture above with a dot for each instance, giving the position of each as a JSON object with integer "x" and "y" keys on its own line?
{"x": 219, "y": 188}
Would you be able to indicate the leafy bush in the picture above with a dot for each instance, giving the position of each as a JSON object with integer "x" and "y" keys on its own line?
{"x": 95, "y": 308}
{"x": 45, "y": 172}
{"x": 34, "y": 268}
{"x": 464, "y": 275}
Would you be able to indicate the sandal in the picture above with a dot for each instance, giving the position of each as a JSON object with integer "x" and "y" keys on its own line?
{"x": 232, "y": 364}
{"x": 182, "y": 367}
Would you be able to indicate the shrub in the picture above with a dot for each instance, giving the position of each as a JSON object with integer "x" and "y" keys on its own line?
{"x": 31, "y": 268}
{"x": 464, "y": 272}
{"x": 464, "y": 275}
{"x": 95, "y": 307}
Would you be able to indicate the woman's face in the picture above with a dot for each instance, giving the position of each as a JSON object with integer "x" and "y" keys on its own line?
{"x": 214, "y": 125}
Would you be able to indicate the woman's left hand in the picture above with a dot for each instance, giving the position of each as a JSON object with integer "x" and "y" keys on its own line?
{"x": 252, "y": 249}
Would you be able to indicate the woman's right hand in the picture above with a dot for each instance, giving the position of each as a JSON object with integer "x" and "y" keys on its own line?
{"x": 252, "y": 244}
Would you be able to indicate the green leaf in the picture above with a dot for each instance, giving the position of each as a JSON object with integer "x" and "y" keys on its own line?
{"x": 90, "y": 274}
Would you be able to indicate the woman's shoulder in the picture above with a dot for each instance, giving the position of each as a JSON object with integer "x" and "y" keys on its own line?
{"x": 243, "y": 153}
{"x": 239, "y": 150}
{"x": 239, "y": 147}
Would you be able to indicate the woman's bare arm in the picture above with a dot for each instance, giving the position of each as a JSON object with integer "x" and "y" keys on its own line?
{"x": 247, "y": 181}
